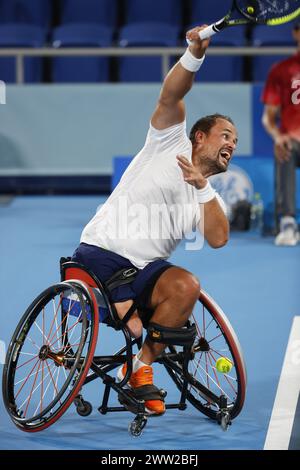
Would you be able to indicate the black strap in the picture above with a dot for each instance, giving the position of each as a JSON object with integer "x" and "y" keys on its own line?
{"x": 178, "y": 336}
{"x": 120, "y": 278}
{"x": 130, "y": 312}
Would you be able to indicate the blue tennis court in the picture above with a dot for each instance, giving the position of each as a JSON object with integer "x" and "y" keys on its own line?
{"x": 80, "y": 81}
{"x": 255, "y": 283}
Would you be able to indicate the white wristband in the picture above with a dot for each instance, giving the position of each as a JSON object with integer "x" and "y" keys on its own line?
{"x": 191, "y": 63}
{"x": 206, "y": 194}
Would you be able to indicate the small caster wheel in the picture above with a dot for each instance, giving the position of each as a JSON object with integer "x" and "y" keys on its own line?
{"x": 225, "y": 421}
{"x": 136, "y": 427}
{"x": 84, "y": 408}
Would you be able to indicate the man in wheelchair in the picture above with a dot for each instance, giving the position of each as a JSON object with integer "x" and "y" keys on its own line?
{"x": 170, "y": 172}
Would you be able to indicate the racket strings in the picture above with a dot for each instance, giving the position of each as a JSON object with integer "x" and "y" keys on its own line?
{"x": 266, "y": 10}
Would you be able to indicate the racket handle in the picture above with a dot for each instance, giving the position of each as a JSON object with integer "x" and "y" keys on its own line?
{"x": 209, "y": 31}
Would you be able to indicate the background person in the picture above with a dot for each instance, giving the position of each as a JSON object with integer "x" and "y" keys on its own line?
{"x": 281, "y": 105}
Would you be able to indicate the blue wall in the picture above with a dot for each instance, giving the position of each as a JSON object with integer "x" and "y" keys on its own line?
{"x": 63, "y": 129}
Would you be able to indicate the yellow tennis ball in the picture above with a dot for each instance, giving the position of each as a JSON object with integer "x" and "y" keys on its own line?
{"x": 250, "y": 10}
{"x": 223, "y": 365}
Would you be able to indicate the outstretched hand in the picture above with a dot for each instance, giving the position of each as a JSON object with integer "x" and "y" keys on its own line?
{"x": 197, "y": 47}
{"x": 191, "y": 174}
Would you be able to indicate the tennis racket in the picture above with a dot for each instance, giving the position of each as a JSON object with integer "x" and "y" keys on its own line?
{"x": 267, "y": 12}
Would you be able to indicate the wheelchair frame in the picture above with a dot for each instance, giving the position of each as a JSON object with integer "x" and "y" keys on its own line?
{"x": 175, "y": 362}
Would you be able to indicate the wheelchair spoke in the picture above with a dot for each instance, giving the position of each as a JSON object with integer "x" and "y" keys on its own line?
{"x": 27, "y": 354}
{"x": 27, "y": 362}
{"x": 65, "y": 333}
{"x": 64, "y": 321}
{"x": 43, "y": 323}
{"x": 44, "y": 337}
{"x": 22, "y": 380}
{"x": 216, "y": 337}
{"x": 197, "y": 326}
{"x": 67, "y": 348}
{"x": 52, "y": 378}
{"x": 71, "y": 335}
{"x": 55, "y": 315}
{"x": 207, "y": 375}
{"x": 33, "y": 342}
{"x": 32, "y": 390}
{"x": 43, "y": 392}
{"x": 214, "y": 369}
{"x": 36, "y": 388}
{"x": 26, "y": 380}
{"x": 215, "y": 383}
{"x": 197, "y": 369}
{"x": 222, "y": 352}
{"x": 210, "y": 323}
{"x": 59, "y": 345}
{"x": 212, "y": 378}
{"x": 77, "y": 339}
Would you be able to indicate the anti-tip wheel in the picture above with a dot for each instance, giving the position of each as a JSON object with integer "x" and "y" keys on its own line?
{"x": 225, "y": 421}
{"x": 135, "y": 428}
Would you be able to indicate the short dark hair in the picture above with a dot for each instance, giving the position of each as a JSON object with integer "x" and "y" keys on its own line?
{"x": 206, "y": 123}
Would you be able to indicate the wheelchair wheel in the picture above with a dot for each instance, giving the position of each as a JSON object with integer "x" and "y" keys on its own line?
{"x": 215, "y": 338}
{"x": 49, "y": 355}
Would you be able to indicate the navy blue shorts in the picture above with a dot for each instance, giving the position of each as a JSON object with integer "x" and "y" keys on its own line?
{"x": 104, "y": 264}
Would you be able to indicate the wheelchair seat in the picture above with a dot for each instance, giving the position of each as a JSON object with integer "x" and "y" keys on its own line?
{"x": 72, "y": 270}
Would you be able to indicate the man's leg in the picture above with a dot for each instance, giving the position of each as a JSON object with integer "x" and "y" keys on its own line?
{"x": 173, "y": 299}
{"x": 285, "y": 187}
{"x": 286, "y": 184}
{"x": 134, "y": 324}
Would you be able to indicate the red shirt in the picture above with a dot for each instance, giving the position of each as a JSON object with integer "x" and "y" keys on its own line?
{"x": 283, "y": 89}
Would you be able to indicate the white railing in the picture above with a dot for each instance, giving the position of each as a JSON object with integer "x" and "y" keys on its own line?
{"x": 164, "y": 52}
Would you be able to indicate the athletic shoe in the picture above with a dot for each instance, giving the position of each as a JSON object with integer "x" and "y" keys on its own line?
{"x": 141, "y": 378}
{"x": 288, "y": 235}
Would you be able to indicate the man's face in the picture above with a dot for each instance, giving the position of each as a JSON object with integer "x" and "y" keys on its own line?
{"x": 218, "y": 146}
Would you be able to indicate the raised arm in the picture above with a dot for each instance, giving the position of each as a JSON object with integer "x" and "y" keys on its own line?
{"x": 170, "y": 108}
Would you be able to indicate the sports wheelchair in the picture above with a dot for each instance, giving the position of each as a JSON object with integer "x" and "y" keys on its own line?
{"x": 51, "y": 357}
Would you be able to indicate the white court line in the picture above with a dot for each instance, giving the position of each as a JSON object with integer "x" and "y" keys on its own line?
{"x": 284, "y": 409}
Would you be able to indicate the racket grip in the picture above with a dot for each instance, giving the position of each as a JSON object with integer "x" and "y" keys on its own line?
{"x": 208, "y": 32}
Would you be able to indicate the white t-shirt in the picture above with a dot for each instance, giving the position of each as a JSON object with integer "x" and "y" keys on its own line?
{"x": 152, "y": 209}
